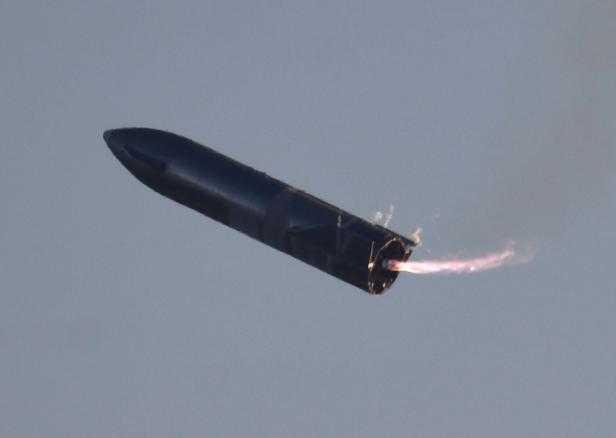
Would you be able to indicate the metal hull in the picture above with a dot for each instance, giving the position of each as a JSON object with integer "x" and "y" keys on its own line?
{"x": 261, "y": 207}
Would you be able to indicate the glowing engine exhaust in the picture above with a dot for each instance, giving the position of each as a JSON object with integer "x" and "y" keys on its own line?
{"x": 461, "y": 266}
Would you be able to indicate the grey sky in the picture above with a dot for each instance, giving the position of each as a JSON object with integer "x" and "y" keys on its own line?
{"x": 124, "y": 314}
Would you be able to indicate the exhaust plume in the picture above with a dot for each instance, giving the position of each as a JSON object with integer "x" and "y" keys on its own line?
{"x": 507, "y": 256}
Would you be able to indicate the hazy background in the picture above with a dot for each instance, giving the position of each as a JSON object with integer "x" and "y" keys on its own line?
{"x": 123, "y": 314}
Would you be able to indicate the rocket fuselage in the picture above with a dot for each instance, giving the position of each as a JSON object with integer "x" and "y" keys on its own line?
{"x": 262, "y": 207}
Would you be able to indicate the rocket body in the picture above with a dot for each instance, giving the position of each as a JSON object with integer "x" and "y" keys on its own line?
{"x": 261, "y": 207}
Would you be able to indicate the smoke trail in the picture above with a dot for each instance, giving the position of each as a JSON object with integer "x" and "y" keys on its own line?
{"x": 462, "y": 266}
{"x": 376, "y": 217}
{"x": 386, "y": 217}
{"x": 389, "y": 216}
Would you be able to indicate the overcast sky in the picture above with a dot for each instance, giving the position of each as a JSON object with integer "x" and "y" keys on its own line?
{"x": 124, "y": 314}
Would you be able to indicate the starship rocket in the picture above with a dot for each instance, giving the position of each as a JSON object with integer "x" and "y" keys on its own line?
{"x": 262, "y": 207}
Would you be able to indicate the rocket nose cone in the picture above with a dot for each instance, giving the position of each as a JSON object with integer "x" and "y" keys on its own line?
{"x": 114, "y": 143}
{"x": 139, "y": 149}
{"x": 107, "y": 135}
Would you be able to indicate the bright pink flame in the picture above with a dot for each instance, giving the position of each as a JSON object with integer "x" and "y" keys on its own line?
{"x": 457, "y": 266}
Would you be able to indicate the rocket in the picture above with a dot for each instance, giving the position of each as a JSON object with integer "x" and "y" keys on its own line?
{"x": 262, "y": 207}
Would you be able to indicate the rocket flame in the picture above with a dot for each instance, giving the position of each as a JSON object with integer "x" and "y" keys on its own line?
{"x": 461, "y": 266}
